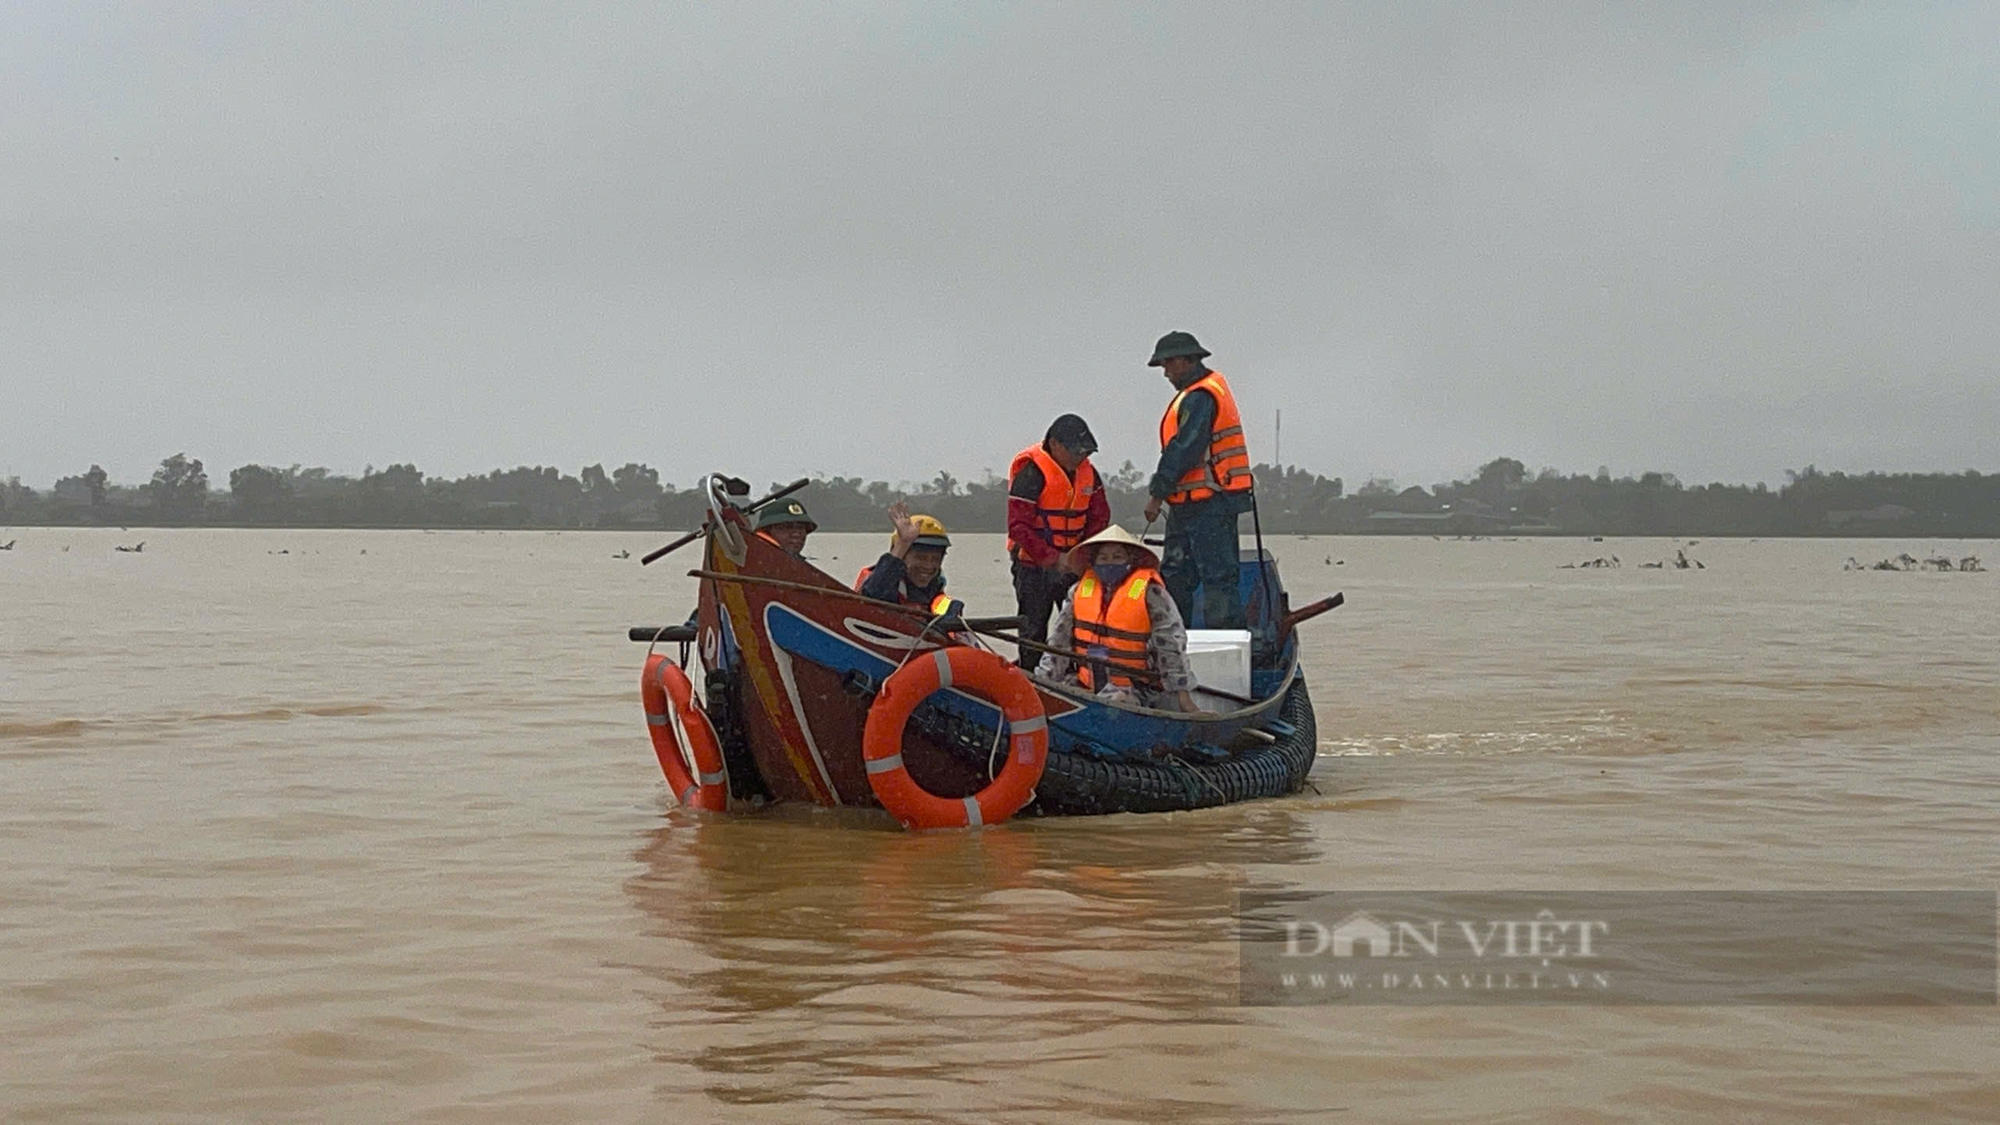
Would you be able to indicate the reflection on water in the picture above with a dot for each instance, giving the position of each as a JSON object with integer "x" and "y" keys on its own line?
{"x": 364, "y": 837}
{"x": 801, "y": 971}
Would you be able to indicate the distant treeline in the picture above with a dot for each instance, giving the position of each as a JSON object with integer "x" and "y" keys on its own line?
{"x": 1501, "y": 497}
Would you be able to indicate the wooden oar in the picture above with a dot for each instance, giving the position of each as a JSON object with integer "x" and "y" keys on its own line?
{"x": 647, "y": 634}
{"x": 971, "y": 624}
{"x": 839, "y": 592}
{"x": 1103, "y": 667}
{"x": 977, "y": 625}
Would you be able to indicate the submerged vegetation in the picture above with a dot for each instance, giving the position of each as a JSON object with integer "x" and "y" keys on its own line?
{"x": 1502, "y": 496}
{"x": 1906, "y": 561}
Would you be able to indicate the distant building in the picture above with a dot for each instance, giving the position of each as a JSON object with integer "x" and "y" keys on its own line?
{"x": 1880, "y": 513}
{"x": 1412, "y": 519}
{"x": 1457, "y": 523}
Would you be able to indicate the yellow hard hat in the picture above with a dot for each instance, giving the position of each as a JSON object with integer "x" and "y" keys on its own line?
{"x": 930, "y": 533}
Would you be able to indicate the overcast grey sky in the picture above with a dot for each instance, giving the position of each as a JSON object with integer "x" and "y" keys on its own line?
{"x": 883, "y": 239}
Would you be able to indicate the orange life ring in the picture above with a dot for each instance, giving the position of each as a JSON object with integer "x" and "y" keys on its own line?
{"x": 680, "y": 728}
{"x": 984, "y": 674}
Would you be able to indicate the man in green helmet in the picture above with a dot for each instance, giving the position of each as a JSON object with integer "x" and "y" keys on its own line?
{"x": 786, "y": 523}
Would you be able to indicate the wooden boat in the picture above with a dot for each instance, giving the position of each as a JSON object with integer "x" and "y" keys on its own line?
{"x": 793, "y": 661}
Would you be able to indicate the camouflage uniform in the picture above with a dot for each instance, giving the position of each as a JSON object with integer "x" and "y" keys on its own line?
{"x": 1166, "y": 653}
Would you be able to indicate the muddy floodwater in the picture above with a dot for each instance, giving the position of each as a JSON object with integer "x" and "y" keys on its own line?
{"x": 364, "y": 826}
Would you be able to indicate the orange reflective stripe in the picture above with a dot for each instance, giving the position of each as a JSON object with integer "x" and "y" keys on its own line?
{"x": 1120, "y": 625}
{"x": 1064, "y": 503}
{"x": 1226, "y": 467}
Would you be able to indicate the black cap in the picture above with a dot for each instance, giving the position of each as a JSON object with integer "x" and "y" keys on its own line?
{"x": 1073, "y": 432}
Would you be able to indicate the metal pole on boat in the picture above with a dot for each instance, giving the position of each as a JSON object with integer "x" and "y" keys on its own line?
{"x": 1263, "y": 570}
{"x": 700, "y": 531}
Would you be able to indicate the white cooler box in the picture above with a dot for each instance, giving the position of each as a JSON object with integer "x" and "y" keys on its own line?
{"x": 1220, "y": 659}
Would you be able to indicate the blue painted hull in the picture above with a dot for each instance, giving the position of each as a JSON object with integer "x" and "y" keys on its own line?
{"x": 800, "y": 668}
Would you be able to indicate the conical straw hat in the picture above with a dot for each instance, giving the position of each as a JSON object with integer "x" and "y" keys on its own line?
{"x": 1087, "y": 550}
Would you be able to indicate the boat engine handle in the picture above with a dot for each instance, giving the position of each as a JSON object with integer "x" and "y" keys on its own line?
{"x": 1307, "y": 613}
{"x": 647, "y": 634}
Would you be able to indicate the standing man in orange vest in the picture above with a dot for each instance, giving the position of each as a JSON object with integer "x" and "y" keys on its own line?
{"x": 1204, "y": 483}
{"x": 1054, "y": 502}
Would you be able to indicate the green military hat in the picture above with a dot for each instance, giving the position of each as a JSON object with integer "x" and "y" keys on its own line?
{"x": 784, "y": 511}
{"x": 1175, "y": 344}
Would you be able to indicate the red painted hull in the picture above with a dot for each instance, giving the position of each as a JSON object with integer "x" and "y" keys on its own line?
{"x": 801, "y": 723}
{"x": 793, "y": 660}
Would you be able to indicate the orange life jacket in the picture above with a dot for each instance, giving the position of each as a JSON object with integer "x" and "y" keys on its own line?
{"x": 1226, "y": 467}
{"x": 1112, "y": 627}
{"x": 1064, "y": 504}
{"x": 903, "y": 594}
{"x": 861, "y": 580}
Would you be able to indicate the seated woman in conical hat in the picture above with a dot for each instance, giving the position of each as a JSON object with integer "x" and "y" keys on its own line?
{"x": 1125, "y": 639}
